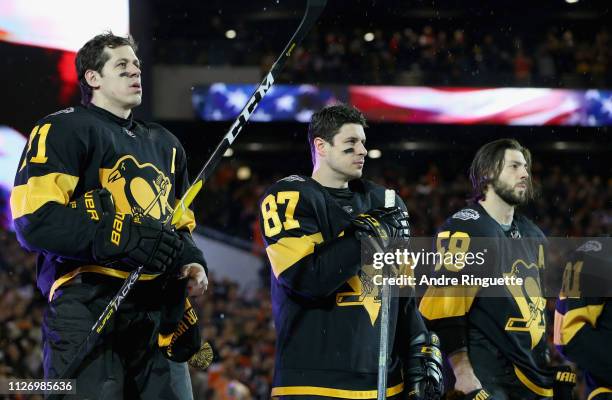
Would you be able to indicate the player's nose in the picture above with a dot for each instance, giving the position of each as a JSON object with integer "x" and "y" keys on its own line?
{"x": 361, "y": 149}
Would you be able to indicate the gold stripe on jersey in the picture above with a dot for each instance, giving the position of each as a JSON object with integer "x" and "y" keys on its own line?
{"x": 187, "y": 219}
{"x": 289, "y": 250}
{"x": 39, "y": 190}
{"x": 598, "y": 391}
{"x": 164, "y": 340}
{"x": 569, "y": 324}
{"x": 98, "y": 269}
{"x": 330, "y": 392}
{"x": 172, "y": 167}
{"x": 545, "y": 392}
{"x": 447, "y": 302}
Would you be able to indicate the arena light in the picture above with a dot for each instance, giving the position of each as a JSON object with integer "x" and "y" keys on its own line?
{"x": 368, "y": 37}
{"x": 11, "y": 146}
{"x": 571, "y": 1}
{"x": 52, "y": 24}
{"x": 560, "y": 145}
{"x": 374, "y": 153}
{"x": 243, "y": 173}
{"x": 254, "y": 146}
{"x": 230, "y": 34}
{"x": 228, "y": 153}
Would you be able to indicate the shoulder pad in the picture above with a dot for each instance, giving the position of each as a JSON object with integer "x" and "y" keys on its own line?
{"x": 295, "y": 183}
{"x": 292, "y": 178}
{"x": 68, "y": 110}
{"x": 466, "y": 214}
{"x": 471, "y": 221}
{"x": 72, "y": 116}
{"x": 590, "y": 246}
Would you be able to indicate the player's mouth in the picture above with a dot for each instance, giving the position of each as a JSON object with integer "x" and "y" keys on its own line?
{"x": 521, "y": 186}
{"x": 359, "y": 163}
{"x": 136, "y": 85}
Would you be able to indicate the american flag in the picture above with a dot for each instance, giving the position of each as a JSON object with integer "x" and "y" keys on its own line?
{"x": 501, "y": 106}
{"x": 223, "y": 102}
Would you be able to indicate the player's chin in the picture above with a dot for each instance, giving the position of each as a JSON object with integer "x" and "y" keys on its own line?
{"x": 134, "y": 100}
{"x": 356, "y": 173}
{"x": 520, "y": 198}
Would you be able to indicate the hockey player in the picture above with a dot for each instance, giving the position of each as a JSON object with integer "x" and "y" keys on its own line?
{"x": 583, "y": 317}
{"x": 326, "y": 308}
{"x": 92, "y": 194}
{"x": 494, "y": 337}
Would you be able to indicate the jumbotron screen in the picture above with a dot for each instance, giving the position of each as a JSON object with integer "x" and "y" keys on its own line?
{"x": 38, "y": 44}
{"x": 420, "y": 104}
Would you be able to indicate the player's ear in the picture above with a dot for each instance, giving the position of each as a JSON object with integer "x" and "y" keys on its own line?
{"x": 321, "y": 146}
{"x": 93, "y": 78}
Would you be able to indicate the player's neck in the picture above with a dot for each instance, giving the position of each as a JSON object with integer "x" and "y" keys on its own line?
{"x": 111, "y": 108}
{"x": 328, "y": 178}
{"x": 498, "y": 209}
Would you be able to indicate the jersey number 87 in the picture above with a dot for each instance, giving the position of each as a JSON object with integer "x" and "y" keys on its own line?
{"x": 269, "y": 211}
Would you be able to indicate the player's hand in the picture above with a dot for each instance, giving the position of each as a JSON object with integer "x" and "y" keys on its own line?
{"x": 198, "y": 281}
{"x": 135, "y": 241}
{"x": 465, "y": 379}
{"x": 383, "y": 225}
{"x": 423, "y": 370}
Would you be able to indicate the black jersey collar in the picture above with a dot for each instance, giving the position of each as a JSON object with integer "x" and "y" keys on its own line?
{"x": 124, "y": 122}
{"x": 356, "y": 185}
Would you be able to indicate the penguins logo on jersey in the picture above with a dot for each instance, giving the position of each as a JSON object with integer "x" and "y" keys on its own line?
{"x": 138, "y": 189}
{"x": 529, "y": 301}
{"x": 363, "y": 293}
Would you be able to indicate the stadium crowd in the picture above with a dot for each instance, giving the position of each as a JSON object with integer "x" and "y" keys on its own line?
{"x": 563, "y": 208}
{"x": 573, "y": 203}
{"x": 430, "y": 55}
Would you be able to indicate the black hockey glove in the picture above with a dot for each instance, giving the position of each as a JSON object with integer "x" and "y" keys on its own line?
{"x": 382, "y": 225}
{"x": 180, "y": 341}
{"x": 94, "y": 203}
{"x": 123, "y": 238}
{"x": 563, "y": 383}
{"x": 423, "y": 370}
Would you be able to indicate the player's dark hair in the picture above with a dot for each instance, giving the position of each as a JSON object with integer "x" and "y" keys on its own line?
{"x": 488, "y": 164}
{"x": 326, "y": 123}
{"x": 92, "y": 56}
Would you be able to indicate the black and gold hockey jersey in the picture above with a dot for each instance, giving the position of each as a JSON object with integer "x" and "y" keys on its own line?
{"x": 509, "y": 317}
{"x": 583, "y": 325}
{"x": 80, "y": 149}
{"x": 326, "y": 308}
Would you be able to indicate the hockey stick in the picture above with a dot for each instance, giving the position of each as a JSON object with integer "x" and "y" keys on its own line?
{"x": 312, "y": 13}
{"x": 383, "y": 346}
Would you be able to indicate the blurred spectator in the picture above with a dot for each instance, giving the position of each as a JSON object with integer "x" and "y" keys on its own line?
{"x": 437, "y": 55}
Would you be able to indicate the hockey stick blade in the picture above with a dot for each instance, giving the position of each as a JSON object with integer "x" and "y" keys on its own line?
{"x": 314, "y": 8}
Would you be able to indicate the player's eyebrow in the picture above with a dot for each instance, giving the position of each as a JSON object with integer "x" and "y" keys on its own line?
{"x": 353, "y": 139}
{"x": 123, "y": 59}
